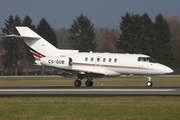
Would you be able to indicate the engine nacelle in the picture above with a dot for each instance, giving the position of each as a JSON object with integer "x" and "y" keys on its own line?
{"x": 56, "y": 62}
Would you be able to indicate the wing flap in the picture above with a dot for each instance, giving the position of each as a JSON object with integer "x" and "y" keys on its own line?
{"x": 94, "y": 72}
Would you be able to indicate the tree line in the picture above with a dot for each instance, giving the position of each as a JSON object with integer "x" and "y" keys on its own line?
{"x": 136, "y": 34}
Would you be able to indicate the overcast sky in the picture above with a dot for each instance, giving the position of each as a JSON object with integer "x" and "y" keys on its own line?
{"x": 102, "y": 13}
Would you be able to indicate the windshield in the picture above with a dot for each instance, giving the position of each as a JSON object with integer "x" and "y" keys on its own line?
{"x": 146, "y": 59}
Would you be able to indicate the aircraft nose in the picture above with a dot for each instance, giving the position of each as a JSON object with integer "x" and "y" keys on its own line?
{"x": 168, "y": 70}
{"x": 164, "y": 69}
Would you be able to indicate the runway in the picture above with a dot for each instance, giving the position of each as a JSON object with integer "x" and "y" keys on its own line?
{"x": 88, "y": 91}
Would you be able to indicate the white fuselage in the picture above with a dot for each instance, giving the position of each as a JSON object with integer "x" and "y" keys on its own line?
{"x": 108, "y": 64}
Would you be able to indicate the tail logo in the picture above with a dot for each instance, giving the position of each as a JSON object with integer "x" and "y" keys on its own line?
{"x": 36, "y": 55}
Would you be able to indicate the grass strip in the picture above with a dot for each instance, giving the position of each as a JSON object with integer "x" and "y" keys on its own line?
{"x": 61, "y": 81}
{"x": 90, "y": 108}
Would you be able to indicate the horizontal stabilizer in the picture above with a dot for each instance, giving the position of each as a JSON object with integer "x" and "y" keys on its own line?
{"x": 18, "y": 36}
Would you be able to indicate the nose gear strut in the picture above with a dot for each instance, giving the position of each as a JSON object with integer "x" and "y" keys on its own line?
{"x": 149, "y": 82}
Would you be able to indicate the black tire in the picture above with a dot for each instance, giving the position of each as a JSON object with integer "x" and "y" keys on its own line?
{"x": 89, "y": 83}
{"x": 149, "y": 84}
{"x": 77, "y": 83}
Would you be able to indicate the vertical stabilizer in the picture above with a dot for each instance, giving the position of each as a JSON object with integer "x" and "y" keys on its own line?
{"x": 39, "y": 46}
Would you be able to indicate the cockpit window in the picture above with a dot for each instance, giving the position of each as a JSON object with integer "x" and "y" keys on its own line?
{"x": 152, "y": 60}
{"x": 146, "y": 59}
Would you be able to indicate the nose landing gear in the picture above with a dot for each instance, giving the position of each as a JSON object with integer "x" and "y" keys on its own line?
{"x": 149, "y": 82}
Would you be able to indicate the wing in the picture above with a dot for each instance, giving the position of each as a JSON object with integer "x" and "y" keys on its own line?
{"x": 99, "y": 70}
{"x": 87, "y": 73}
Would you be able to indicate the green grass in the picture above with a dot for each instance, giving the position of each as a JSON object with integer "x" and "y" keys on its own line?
{"x": 90, "y": 108}
{"x": 61, "y": 81}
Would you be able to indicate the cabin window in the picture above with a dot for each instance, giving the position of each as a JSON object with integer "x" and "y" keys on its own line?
{"x": 98, "y": 59}
{"x": 115, "y": 60}
{"x": 104, "y": 59}
{"x": 109, "y": 59}
{"x": 86, "y": 59}
{"x": 92, "y": 59}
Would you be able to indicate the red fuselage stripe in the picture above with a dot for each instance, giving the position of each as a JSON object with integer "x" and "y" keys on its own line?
{"x": 112, "y": 66}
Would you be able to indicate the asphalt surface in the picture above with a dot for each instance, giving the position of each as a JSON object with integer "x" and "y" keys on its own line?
{"x": 59, "y": 91}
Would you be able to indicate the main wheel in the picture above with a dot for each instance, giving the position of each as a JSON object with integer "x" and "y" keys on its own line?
{"x": 149, "y": 83}
{"x": 77, "y": 83}
{"x": 89, "y": 83}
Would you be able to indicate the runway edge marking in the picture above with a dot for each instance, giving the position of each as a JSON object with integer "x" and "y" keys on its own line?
{"x": 86, "y": 90}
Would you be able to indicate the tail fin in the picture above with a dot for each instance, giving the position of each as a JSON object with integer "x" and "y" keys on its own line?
{"x": 39, "y": 46}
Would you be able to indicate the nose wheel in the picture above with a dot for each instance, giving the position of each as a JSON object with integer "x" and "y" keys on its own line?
{"x": 149, "y": 82}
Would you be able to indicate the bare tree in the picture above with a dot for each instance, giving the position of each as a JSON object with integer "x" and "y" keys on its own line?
{"x": 62, "y": 38}
{"x": 174, "y": 25}
{"x": 106, "y": 38}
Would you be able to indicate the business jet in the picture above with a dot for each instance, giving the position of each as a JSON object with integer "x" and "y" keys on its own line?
{"x": 89, "y": 65}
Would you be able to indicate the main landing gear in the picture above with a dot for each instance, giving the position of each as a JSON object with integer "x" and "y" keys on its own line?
{"x": 88, "y": 83}
{"x": 149, "y": 82}
{"x": 77, "y": 83}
